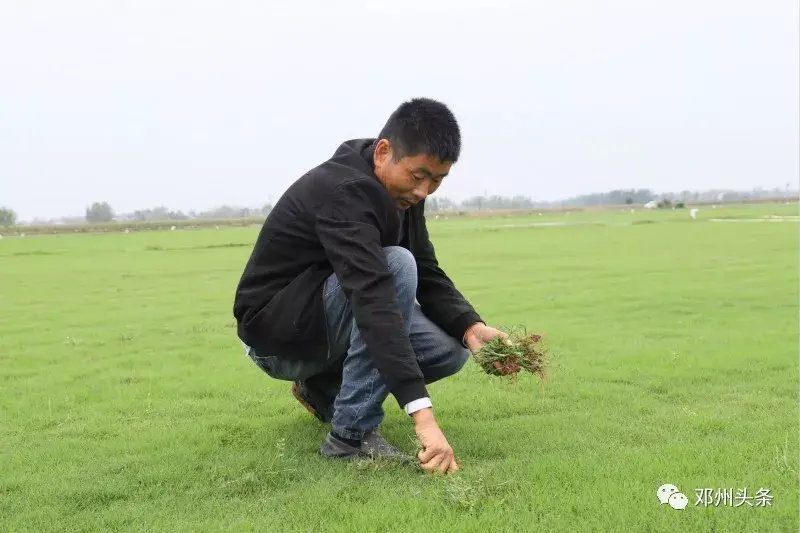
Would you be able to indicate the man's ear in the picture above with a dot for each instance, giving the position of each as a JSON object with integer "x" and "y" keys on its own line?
{"x": 383, "y": 153}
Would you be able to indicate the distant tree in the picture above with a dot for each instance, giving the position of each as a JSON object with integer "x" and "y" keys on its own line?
{"x": 521, "y": 202}
{"x": 615, "y": 197}
{"x": 160, "y": 213}
{"x": 476, "y": 202}
{"x": 446, "y": 204}
{"x": 495, "y": 202}
{"x": 7, "y": 217}
{"x": 99, "y": 212}
{"x": 227, "y": 211}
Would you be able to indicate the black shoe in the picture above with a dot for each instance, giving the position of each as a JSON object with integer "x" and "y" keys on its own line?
{"x": 373, "y": 446}
{"x": 317, "y": 406}
{"x": 336, "y": 449}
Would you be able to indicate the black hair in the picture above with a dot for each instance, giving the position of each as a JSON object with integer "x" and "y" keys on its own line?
{"x": 423, "y": 126}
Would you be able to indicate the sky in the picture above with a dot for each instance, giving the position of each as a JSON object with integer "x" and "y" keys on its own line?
{"x": 197, "y": 104}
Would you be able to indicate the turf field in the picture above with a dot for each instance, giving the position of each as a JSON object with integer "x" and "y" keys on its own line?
{"x": 127, "y": 403}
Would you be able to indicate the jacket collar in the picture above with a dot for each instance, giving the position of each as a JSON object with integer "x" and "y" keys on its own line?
{"x": 368, "y": 153}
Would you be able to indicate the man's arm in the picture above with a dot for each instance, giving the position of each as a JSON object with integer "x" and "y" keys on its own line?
{"x": 348, "y": 228}
{"x": 437, "y": 295}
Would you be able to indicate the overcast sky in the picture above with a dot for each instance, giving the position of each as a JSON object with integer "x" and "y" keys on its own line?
{"x": 195, "y": 104}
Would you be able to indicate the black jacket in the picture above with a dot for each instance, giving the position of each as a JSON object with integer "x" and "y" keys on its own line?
{"x": 338, "y": 218}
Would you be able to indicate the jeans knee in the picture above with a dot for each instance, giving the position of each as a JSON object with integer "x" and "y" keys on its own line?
{"x": 460, "y": 357}
{"x": 402, "y": 264}
{"x": 452, "y": 364}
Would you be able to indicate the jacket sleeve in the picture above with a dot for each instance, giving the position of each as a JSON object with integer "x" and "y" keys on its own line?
{"x": 436, "y": 293}
{"x": 348, "y": 225}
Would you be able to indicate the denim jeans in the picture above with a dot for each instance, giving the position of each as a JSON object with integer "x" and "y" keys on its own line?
{"x": 358, "y": 398}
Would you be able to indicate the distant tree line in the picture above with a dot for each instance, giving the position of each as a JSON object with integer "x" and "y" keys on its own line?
{"x": 609, "y": 198}
{"x": 642, "y": 196}
{"x": 102, "y": 212}
{"x": 615, "y": 197}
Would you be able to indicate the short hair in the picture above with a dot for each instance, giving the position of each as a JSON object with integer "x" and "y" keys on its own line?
{"x": 423, "y": 126}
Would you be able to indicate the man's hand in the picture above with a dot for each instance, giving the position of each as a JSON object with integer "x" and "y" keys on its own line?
{"x": 436, "y": 452}
{"x": 479, "y": 334}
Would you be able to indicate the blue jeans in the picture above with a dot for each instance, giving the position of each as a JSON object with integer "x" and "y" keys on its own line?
{"x": 358, "y": 399}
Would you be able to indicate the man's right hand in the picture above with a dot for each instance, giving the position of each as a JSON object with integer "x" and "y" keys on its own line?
{"x": 436, "y": 451}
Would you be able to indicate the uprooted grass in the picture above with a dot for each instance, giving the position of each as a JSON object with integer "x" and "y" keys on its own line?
{"x": 507, "y": 356}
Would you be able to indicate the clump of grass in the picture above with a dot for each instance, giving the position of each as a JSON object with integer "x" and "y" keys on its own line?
{"x": 508, "y": 356}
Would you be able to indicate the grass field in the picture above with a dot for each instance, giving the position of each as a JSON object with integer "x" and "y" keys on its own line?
{"x": 128, "y": 404}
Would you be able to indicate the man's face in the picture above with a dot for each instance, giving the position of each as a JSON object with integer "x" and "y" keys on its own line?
{"x": 411, "y": 179}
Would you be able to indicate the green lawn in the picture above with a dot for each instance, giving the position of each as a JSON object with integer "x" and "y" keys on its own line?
{"x": 127, "y": 403}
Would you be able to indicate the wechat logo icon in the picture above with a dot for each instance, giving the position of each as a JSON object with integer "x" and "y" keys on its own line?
{"x": 670, "y": 494}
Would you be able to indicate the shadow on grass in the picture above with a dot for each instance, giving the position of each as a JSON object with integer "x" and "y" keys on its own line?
{"x": 31, "y": 252}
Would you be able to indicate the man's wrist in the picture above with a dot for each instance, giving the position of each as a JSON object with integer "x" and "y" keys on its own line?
{"x": 417, "y": 405}
{"x": 468, "y": 332}
{"x": 423, "y": 416}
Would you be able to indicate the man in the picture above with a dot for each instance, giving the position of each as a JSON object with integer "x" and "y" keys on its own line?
{"x": 343, "y": 294}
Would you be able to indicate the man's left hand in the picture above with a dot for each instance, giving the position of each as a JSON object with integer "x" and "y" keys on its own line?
{"x": 479, "y": 334}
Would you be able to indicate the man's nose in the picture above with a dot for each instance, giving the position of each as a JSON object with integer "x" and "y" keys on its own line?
{"x": 421, "y": 191}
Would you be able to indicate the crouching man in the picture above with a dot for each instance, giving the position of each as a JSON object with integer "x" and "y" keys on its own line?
{"x": 343, "y": 294}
